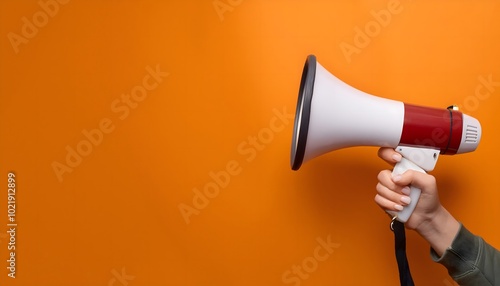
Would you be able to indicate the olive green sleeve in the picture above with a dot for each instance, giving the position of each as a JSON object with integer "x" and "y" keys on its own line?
{"x": 470, "y": 260}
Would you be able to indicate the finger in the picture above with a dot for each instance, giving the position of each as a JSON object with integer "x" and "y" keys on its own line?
{"x": 389, "y": 155}
{"x": 415, "y": 178}
{"x": 386, "y": 204}
{"x": 385, "y": 178}
{"x": 394, "y": 196}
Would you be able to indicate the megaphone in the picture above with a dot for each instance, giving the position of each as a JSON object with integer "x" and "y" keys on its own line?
{"x": 331, "y": 115}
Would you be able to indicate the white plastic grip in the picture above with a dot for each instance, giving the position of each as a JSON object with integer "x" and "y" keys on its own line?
{"x": 401, "y": 167}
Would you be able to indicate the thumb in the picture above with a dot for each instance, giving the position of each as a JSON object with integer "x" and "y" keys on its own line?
{"x": 417, "y": 179}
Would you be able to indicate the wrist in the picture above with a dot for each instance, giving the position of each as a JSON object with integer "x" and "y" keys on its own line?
{"x": 439, "y": 230}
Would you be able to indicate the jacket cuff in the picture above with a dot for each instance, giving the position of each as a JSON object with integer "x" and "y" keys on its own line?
{"x": 461, "y": 256}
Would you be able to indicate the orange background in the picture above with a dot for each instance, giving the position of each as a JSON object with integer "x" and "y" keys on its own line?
{"x": 232, "y": 65}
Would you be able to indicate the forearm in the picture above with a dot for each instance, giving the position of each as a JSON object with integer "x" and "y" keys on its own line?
{"x": 439, "y": 230}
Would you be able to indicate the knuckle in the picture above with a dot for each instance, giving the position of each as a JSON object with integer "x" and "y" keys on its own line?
{"x": 380, "y": 175}
{"x": 432, "y": 180}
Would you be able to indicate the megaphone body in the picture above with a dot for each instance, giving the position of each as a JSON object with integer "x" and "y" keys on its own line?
{"x": 331, "y": 115}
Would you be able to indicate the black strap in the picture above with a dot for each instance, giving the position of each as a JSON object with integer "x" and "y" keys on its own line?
{"x": 400, "y": 246}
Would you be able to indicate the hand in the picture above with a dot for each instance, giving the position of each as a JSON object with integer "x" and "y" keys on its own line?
{"x": 430, "y": 219}
{"x": 393, "y": 191}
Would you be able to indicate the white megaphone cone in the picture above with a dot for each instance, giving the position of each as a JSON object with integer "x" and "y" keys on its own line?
{"x": 331, "y": 115}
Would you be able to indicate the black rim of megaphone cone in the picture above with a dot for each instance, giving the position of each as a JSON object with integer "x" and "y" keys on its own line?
{"x": 303, "y": 112}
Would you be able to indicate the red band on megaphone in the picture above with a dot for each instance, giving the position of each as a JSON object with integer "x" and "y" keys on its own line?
{"x": 432, "y": 128}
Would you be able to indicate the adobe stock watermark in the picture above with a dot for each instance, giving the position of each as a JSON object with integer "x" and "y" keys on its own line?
{"x": 249, "y": 149}
{"x": 48, "y": 9}
{"x": 223, "y": 6}
{"x": 439, "y": 135}
{"x": 302, "y": 271}
{"x": 484, "y": 89}
{"x": 363, "y": 36}
{"x": 121, "y": 107}
{"x": 120, "y": 278}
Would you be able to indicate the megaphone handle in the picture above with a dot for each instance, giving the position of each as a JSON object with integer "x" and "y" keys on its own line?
{"x": 401, "y": 167}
